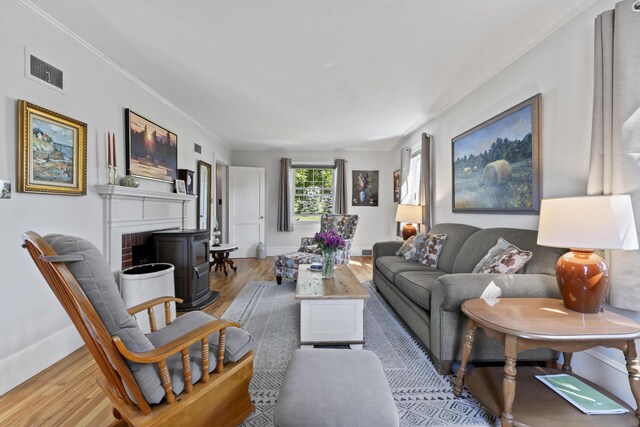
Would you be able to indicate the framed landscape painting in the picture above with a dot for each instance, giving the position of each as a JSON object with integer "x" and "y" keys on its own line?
{"x": 364, "y": 191}
{"x": 496, "y": 165}
{"x": 52, "y": 151}
{"x": 152, "y": 151}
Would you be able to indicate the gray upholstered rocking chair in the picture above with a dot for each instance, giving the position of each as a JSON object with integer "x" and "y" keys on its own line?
{"x": 162, "y": 378}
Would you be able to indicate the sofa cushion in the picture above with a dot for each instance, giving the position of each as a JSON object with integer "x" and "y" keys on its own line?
{"x": 426, "y": 249}
{"x": 416, "y": 285}
{"x": 503, "y": 258}
{"x": 477, "y": 245}
{"x": 94, "y": 276}
{"x": 457, "y": 235}
{"x": 389, "y": 266}
{"x": 331, "y": 387}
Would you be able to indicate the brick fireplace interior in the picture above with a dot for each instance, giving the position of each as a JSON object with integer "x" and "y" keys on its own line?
{"x": 137, "y": 249}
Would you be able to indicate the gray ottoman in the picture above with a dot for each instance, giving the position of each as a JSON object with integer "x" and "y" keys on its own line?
{"x": 333, "y": 388}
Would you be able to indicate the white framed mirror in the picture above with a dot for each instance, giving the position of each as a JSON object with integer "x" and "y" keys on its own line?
{"x": 204, "y": 195}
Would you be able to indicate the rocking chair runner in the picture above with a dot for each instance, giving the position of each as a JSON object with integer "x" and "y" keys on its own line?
{"x": 220, "y": 398}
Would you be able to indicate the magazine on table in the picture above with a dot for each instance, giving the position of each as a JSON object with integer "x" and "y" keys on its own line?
{"x": 580, "y": 395}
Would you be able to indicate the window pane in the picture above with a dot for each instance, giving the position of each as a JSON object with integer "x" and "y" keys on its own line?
{"x": 314, "y": 193}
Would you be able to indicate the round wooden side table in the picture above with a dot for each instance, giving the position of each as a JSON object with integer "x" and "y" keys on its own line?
{"x": 526, "y": 323}
{"x": 221, "y": 257}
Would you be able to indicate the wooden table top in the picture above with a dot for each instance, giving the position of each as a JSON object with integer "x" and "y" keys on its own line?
{"x": 549, "y": 320}
{"x": 343, "y": 285}
{"x": 223, "y": 247}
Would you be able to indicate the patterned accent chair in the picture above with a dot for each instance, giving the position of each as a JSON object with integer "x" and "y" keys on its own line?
{"x": 287, "y": 265}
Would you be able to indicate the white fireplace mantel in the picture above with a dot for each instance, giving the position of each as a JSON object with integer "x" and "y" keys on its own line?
{"x": 134, "y": 210}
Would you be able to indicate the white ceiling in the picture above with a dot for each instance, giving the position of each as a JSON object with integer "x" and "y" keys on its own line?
{"x": 326, "y": 74}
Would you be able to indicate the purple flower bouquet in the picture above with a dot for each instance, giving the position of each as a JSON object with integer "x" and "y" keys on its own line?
{"x": 329, "y": 242}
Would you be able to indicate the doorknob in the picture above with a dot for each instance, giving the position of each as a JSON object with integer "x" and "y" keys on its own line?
{"x": 261, "y": 217}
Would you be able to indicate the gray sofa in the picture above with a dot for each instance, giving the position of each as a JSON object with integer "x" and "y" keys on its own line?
{"x": 429, "y": 299}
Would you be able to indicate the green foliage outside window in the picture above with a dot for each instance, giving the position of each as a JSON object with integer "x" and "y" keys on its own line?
{"x": 313, "y": 193}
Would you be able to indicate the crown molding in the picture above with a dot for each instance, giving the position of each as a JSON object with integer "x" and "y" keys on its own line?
{"x": 513, "y": 57}
{"x": 88, "y": 47}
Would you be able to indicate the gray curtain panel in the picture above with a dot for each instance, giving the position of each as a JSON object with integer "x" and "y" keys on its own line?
{"x": 425, "y": 182}
{"x": 340, "y": 201}
{"x": 615, "y": 137}
{"x": 405, "y": 164}
{"x": 285, "y": 196}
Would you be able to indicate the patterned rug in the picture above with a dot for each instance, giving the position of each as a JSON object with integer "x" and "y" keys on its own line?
{"x": 423, "y": 397}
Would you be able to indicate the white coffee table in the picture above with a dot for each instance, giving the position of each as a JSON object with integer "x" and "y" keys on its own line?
{"x": 331, "y": 310}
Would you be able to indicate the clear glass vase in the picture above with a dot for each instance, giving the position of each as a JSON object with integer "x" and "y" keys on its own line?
{"x": 328, "y": 262}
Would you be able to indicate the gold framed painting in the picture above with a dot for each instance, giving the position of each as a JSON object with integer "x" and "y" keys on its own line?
{"x": 52, "y": 152}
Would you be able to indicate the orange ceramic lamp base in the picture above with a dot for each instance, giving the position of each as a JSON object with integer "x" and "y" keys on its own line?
{"x": 583, "y": 279}
{"x": 408, "y": 230}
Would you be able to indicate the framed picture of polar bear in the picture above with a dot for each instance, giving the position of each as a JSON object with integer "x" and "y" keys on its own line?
{"x": 496, "y": 165}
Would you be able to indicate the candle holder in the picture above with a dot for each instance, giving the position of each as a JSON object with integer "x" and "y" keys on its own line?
{"x": 111, "y": 174}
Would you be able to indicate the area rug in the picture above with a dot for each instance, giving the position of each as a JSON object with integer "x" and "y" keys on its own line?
{"x": 423, "y": 397}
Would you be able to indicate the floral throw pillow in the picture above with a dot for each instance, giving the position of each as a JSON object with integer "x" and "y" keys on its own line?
{"x": 503, "y": 258}
{"x": 406, "y": 246}
{"x": 426, "y": 249}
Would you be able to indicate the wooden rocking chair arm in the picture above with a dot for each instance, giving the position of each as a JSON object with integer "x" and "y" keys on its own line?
{"x": 175, "y": 346}
{"x": 151, "y": 303}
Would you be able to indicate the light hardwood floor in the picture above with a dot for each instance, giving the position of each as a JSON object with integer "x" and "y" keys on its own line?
{"x": 66, "y": 394}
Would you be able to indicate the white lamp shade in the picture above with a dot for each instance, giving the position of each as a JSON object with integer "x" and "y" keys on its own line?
{"x": 409, "y": 213}
{"x": 590, "y": 222}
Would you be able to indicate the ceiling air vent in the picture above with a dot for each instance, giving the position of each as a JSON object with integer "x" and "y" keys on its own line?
{"x": 46, "y": 72}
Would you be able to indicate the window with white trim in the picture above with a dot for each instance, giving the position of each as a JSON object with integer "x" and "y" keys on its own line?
{"x": 313, "y": 193}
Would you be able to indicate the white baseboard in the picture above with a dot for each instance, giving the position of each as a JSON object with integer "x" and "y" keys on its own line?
{"x": 20, "y": 366}
{"x": 604, "y": 371}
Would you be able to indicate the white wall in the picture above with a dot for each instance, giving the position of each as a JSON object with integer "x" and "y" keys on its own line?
{"x": 35, "y": 330}
{"x": 561, "y": 68}
{"x": 375, "y": 223}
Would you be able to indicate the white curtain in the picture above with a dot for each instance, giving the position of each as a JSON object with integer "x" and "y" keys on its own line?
{"x": 405, "y": 169}
{"x": 615, "y": 138}
{"x": 425, "y": 182}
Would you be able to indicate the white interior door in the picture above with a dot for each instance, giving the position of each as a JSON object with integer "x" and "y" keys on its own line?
{"x": 246, "y": 209}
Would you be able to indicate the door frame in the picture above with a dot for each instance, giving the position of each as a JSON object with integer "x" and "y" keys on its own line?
{"x": 261, "y": 206}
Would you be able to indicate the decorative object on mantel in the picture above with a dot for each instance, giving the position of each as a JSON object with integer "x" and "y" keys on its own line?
{"x": 130, "y": 181}
{"x": 364, "y": 190}
{"x": 584, "y": 224}
{"x": 329, "y": 242}
{"x": 180, "y": 187}
{"x": 409, "y": 214}
{"x": 152, "y": 151}
{"x": 187, "y": 176}
{"x": 52, "y": 152}
{"x": 496, "y": 165}
{"x": 112, "y": 163}
{"x": 5, "y": 189}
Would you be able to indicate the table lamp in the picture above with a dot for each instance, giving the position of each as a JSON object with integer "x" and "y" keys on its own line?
{"x": 585, "y": 224}
{"x": 409, "y": 214}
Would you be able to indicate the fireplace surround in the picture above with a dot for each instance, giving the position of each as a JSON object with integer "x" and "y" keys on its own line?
{"x": 134, "y": 213}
